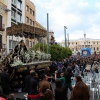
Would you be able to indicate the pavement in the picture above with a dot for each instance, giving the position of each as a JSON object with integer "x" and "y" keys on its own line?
{"x": 21, "y": 94}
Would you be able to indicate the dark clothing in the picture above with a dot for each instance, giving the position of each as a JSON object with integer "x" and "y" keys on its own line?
{"x": 61, "y": 94}
{"x": 49, "y": 75}
{"x": 68, "y": 75}
{"x": 33, "y": 86}
{"x": 27, "y": 83}
{"x": 40, "y": 98}
{"x": 37, "y": 71}
{"x": 2, "y": 95}
{"x": 5, "y": 82}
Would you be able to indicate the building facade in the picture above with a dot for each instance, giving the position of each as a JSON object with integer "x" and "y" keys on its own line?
{"x": 77, "y": 44}
{"x": 3, "y": 24}
{"x": 15, "y": 16}
{"x": 30, "y": 19}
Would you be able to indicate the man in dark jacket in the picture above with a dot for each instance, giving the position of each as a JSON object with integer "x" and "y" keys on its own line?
{"x": 5, "y": 81}
{"x": 27, "y": 81}
{"x": 34, "y": 84}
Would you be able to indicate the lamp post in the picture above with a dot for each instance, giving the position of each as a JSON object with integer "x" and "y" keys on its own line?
{"x": 65, "y": 35}
{"x": 47, "y": 33}
{"x": 68, "y": 39}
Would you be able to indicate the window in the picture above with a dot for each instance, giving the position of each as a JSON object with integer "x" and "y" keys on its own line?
{"x": 19, "y": 4}
{"x": 97, "y": 48}
{"x": 18, "y": 17}
{"x": 97, "y": 42}
{"x": 27, "y": 19}
{"x": 33, "y": 13}
{"x": 13, "y": 13}
{"x": 76, "y": 43}
{"x": 30, "y": 44}
{"x": 30, "y": 22}
{"x": 27, "y": 8}
{"x": 72, "y": 43}
{"x": 30, "y": 11}
{"x": 33, "y": 23}
{"x": 14, "y": 44}
{"x": 10, "y": 44}
{"x": 0, "y": 22}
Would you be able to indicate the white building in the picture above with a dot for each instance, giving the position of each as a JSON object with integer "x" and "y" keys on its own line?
{"x": 77, "y": 44}
{"x": 15, "y": 16}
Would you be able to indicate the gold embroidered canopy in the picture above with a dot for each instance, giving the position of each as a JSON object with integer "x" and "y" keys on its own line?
{"x": 26, "y": 31}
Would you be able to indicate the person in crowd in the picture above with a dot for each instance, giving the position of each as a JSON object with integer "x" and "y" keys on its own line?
{"x": 76, "y": 70}
{"x": 44, "y": 77}
{"x": 94, "y": 69}
{"x": 68, "y": 75}
{"x": 47, "y": 72}
{"x": 60, "y": 91}
{"x": 5, "y": 81}
{"x": 62, "y": 78}
{"x": 37, "y": 70}
{"x": 82, "y": 93}
{"x": 77, "y": 79}
{"x": 34, "y": 84}
{"x": 27, "y": 82}
{"x": 88, "y": 67}
{"x": 45, "y": 92}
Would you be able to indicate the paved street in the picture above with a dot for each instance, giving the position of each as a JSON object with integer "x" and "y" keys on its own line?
{"x": 21, "y": 95}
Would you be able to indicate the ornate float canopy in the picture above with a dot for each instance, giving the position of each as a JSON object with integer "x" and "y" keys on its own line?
{"x": 26, "y": 31}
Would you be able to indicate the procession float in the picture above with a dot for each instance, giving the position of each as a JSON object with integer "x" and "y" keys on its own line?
{"x": 21, "y": 59}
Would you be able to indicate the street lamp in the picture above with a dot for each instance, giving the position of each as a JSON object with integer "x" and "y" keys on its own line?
{"x": 65, "y": 35}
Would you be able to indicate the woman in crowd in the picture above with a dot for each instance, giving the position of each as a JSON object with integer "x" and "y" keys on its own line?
{"x": 77, "y": 79}
{"x": 45, "y": 92}
{"x": 82, "y": 92}
{"x": 60, "y": 91}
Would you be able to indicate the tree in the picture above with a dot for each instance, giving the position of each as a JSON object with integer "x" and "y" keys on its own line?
{"x": 59, "y": 53}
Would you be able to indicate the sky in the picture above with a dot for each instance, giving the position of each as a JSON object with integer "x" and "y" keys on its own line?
{"x": 80, "y": 16}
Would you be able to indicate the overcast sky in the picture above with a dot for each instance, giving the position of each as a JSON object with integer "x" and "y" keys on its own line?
{"x": 77, "y": 15}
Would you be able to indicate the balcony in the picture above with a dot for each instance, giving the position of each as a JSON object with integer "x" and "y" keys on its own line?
{"x": 2, "y": 28}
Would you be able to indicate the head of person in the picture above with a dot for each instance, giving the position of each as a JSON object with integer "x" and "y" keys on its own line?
{"x": 78, "y": 79}
{"x": 82, "y": 92}
{"x": 36, "y": 66}
{"x": 34, "y": 75}
{"x": 44, "y": 89}
{"x": 47, "y": 69}
{"x": 61, "y": 74}
{"x": 58, "y": 84}
{"x": 44, "y": 77}
{"x": 6, "y": 69}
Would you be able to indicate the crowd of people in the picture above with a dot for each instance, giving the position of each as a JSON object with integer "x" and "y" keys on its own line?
{"x": 63, "y": 73}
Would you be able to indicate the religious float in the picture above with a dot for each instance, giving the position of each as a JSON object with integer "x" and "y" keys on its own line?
{"x": 21, "y": 59}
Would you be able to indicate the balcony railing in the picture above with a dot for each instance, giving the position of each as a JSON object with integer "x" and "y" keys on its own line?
{"x": 2, "y": 28}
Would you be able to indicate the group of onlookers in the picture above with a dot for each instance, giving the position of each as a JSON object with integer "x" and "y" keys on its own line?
{"x": 65, "y": 74}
